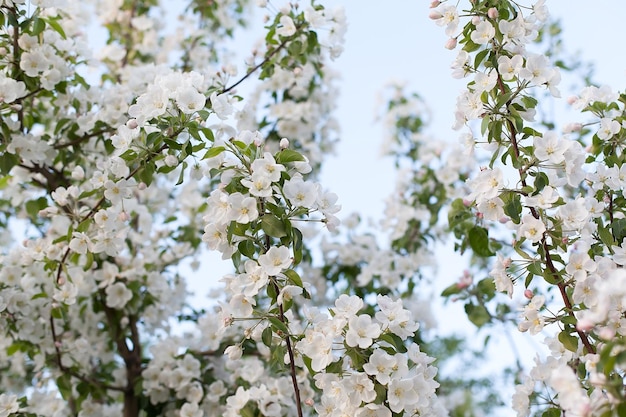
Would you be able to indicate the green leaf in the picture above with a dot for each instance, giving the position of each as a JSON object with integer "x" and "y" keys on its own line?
{"x": 477, "y": 314}
{"x": 278, "y": 325}
{"x": 272, "y": 293}
{"x": 296, "y": 236}
{"x": 213, "y": 152}
{"x": 34, "y": 206}
{"x": 294, "y": 277}
{"x": 512, "y": 206}
{"x": 288, "y": 155}
{"x": 38, "y": 26}
{"x": 181, "y": 177}
{"x": 266, "y": 336}
{"x": 605, "y": 236}
{"x": 57, "y": 27}
{"x": 64, "y": 385}
{"x": 479, "y": 241}
{"x": 273, "y": 226}
{"x": 451, "y": 290}
{"x": 569, "y": 341}
{"x": 551, "y": 412}
{"x": 395, "y": 341}
{"x": 541, "y": 180}
{"x": 619, "y": 229}
{"x": 247, "y": 248}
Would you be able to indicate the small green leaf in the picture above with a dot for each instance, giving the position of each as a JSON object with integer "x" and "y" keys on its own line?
{"x": 294, "y": 277}
{"x": 279, "y": 325}
{"x": 213, "y": 152}
{"x": 288, "y": 155}
{"x": 395, "y": 341}
{"x": 247, "y": 248}
{"x": 57, "y": 27}
{"x": 479, "y": 241}
{"x": 38, "y": 26}
{"x": 273, "y": 226}
{"x": 551, "y": 412}
{"x": 266, "y": 336}
{"x": 477, "y": 314}
{"x": 569, "y": 341}
{"x": 451, "y": 290}
{"x": 619, "y": 229}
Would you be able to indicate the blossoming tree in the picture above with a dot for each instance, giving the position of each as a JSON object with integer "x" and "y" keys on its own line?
{"x": 118, "y": 170}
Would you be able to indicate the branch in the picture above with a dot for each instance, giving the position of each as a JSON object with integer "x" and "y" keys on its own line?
{"x": 66, "y": 370}
{"x": 292, "y": 362}
{"x": 251, "y": 71}
{"x": 544, "y": 243}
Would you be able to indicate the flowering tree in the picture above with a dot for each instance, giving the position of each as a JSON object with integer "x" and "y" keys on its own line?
{"x": 118, "y": 170}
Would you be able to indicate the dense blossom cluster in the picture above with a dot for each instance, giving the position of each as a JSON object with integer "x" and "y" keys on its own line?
{"x": 561, "y": 195}
{"x": 119, "y": 166}
{"x": 117, "y": 181}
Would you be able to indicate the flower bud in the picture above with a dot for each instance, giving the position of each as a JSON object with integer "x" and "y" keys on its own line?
{"x": 233, "y": 352}
{"x": 450, "y": 44}
{"x": 434, "y": 4}
{"x": 492, "y": 13}
{"x": 606, "y": 333}
{"x": 284, "y": 143}
{"x": 528, "y": 294}
{"x": 131, "y": 124}
{"x": 171, "y": 160}
{"x": 573, "y": 127}
{"x": 584, "y": 325}
{"x": 435, "y": 15}
{"x": 475, "y": 20}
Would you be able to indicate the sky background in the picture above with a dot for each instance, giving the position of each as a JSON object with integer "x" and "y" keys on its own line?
{"x": 398, "y": 41}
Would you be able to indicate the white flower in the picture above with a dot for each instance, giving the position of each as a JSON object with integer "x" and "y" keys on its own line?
{"x": 275, "y": 260}
{"x": 66, "y": 294}
{"x": 531, "y": 228}
{"x": 484, "y": 33}
{"x": 189, "y": 100}
{"x": 287, "y": 28}
{"x": 362, "y": 331}
{"x": 220, "y": 104}
{"x": 243, "y": 209}
{"x": 117, "y": 295}
{"x": 300, "y": 193}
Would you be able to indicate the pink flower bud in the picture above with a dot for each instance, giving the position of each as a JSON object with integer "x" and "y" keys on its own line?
{"x": 528, "y": 294}
{"x": 309, "y": 402}
{"x": 132, "y": 124}
{"x": 142, "y": 186}
{"x": 475, "y": 20}
{"x": 123, "y": 216}
{"x": 467, "y": 203}
{"x": 492, "y": 13}
{"x": 606, "y": 333}
{"x": 435, "y": 15}
{"x": 584, "y": 325}
{"x": 450, "y": 44}
{"x": 284, "y": 143}
{"x": 434, "y": 4}
{"x": 572, "y": 127}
